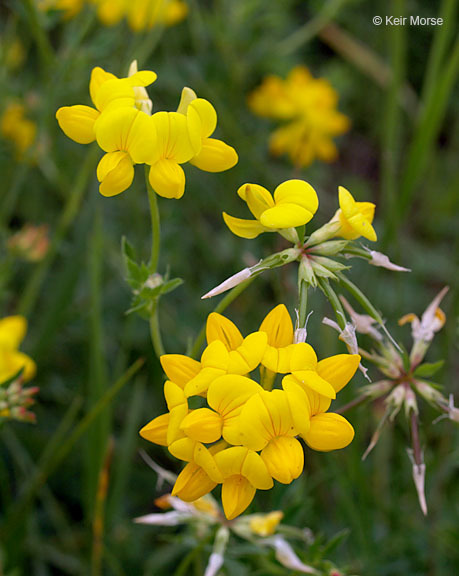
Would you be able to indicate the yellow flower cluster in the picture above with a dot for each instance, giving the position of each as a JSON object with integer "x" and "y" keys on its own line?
{"x": 232, "y": 430}
{"x": 308, "y": 105}
{"x": 12, "y": 332}
{"x": 121, "y": 124}
{"x": 294, "y": 204}
{"x": 17, "y": 128}
{"x": 140, "y": 14}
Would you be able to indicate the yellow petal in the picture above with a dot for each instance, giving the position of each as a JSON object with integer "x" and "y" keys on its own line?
{"x": 142, "y": 78}
{"x": 12, "y": 331}
{"x": 187, "y": 96}
{"x": 278, "y": 326}
{"x": 360, "y": 227}
{"x": 329, "y": 431}
{"x": 215, "y": 156}
{"x": 198, "y": 385}
{"x": 173, "y": 394}
{"x": 339, "y": 369}
{"x": 167, "y": 179}
{"x": 114, "y": 94}
{"x": 174, "y": 139}
{"x": 203, "y": 425}
{"x": 179, "y": 368}
{"x": 237, "y": 494}
{"x": 176, "y": 416}
{"x": 317, "y": 402}
{"x": 183, "y": 449}
{"x": 299, "y": 193}
{"x": 248, "y": 355}
{"x": 257, "y": 199}
{"x": 243, "y": 228}
{"x": 98, "y": 77}
{"x": 115, "y": 172}
{"x": 219, "y": 327}
{"x": 346, "y": 201}
{"x": 11, "y": 361}
{"x": 284, "y": 459}
{"x": 303, "y": 357}
{"x": 285, "y": 216}
{"x": 112, "y": 128}
{"x": 207, "y": 115}
{"x": 192, "y": 483}
{"x": 229, "y": 393}
{"x": 310, "y": 379}
{"x": 141, "y": 141}
{"x": 215, "y": 356}
{"x": 156, "y": 430}
{"x": 300, "y": 407}
{"x": 261, "y": 199}
{"x": 204, "y": 458}
{"x": 256, "y": 472}
{"x": 278, "y": 360}
{"x": 77, "y": 122}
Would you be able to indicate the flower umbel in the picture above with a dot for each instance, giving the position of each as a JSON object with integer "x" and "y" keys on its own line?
{"x": 233, "y": 431}
{"x": 308, "y": 106}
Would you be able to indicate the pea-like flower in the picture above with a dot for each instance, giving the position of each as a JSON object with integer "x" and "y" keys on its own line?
{"x": 308, "y": 105}
{"x": 12, "y": 332}
{"x": 294, "y": 203}
{"x": 355, "y": 218}
{"x": 17, "y": 128}
{"x": 106, "y": 91}
{"x": 233, "y": 431}
{"x": 214, "y": 155}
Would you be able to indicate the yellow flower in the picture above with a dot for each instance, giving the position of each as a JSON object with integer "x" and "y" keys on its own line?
{"x": 309, "y": 106}
{"x": 69, "y": 8}
{"x": 128, "y": 137}
{"x": 17, "y": 128}
{"x": 267, "y": 424}
{"x": 12, "y": 332}
{"x": 279, "y": 328}
{"x": 215, "y": 155}
{"x": 295, "y": 202}
{"x": 244, "y": 436}
{"x": 178, "y": 140}
{"x": 265, "y": 524}
{"x": 244, "y": 472}
{"x": 107, "y": 91}
{"x": 355, "y": 218}
{"x": 145, "y": 14}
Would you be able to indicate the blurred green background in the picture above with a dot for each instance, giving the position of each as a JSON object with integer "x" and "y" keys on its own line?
{"x": 398, "y": 86}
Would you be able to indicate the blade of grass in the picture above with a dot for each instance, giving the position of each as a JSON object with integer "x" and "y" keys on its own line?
{"x": 391, "y": 137}
{"x": 97, "y": 381}
{"x": 59, "y": 451}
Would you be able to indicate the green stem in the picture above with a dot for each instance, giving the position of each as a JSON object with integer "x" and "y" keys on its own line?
{"x": 302, "y": 303}
{"x": 45, "y": 50}
{"x": 155, "y": 331}
{"x": 331, "y": 296}
{"x": 221, "y": 306}
{"x": 155, "y": 225}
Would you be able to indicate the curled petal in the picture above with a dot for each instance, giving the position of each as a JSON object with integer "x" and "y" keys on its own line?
{"x": 278, "y": 326}
{"x": 207, "y": 115}
{"x": 329, "y": 431}
{"x": 215, "y": 156}
{"x": 243, "y": 228}
{"x": 12, "y": 331}
{"x": 248, "y": 355}
{"x": 219, "y": 327}
{"x": 258, "y": 198}
{"x": 297, "y": 192}
{"x": 77, "y": 122}
{"x": 167, "y": 179}
{"x": 156, "y": 430}
{"x": 192, "y": 483}
{"x": 203, "y": 425}
{"x": 237, "y": 494}
{"x": 339, "y": 369}
{"x": 115, "y": 172}
{"x": 284, "y": 458}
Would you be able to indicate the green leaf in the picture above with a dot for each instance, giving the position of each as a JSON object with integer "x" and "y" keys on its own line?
{"x": 428, "y": 369}
{"x": 171, "y": 285}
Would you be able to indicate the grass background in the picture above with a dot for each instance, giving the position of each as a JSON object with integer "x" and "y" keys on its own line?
{"x": 397, "y": 84}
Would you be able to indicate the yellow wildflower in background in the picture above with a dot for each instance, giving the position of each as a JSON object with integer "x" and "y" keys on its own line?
{"x": 141, "y": 15}
{"x": 308, "y": 105}
{"x": 17, "y": 128}
{"x": 12, "y": 332}
{"x": 294, "y": 203}
{"x": 238, "y": 433}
